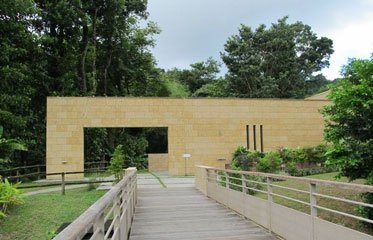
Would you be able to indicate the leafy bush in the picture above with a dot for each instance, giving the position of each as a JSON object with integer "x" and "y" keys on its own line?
{"x": 287, "y": 155}
{"x": 253, "y": 184}
{"x": 270, "y": 163}
{"x": 244, "y": 160}
{"x": 9, "y": 195}
{"x": 116, "y": 163}
{"x": 294, "y": 171}
{"x": 291, "y": 169}
{"x": 305, "y": 155}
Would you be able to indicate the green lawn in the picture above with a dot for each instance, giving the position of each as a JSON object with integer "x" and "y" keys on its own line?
{"x": 42, "y": 214}
{"x": 337, "y": 205}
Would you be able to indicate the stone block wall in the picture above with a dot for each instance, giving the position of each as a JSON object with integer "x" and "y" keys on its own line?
{"x": 208, "y": 129}
{"x": 158, "y": 162}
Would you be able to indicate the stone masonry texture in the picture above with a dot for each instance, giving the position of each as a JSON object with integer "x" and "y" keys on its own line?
{"x": 208, "y": 129}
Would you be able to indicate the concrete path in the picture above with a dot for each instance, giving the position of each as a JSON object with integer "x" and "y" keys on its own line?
{"x": 53, "y": 189}
{"x": 184, "y": 213}
{"x": 148, "y": 180}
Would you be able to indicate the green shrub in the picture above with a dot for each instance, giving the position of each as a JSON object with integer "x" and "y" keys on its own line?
{"x": 244, "y": 160}
{"x": 117, "y": 162}
{"x": 254, "y": 185}
{"x": 9, "y": 195}
{"x": 291, "y": 168}
{"x": 287, "y": 155}
{"x": 301, "y": 155}
{"x": 270, "y": 163}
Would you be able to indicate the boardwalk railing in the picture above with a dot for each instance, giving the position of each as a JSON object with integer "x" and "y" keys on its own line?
{"x": 256, "y": 196}
{"x": 38, "y": 171}
{"x": 110, "y": 217}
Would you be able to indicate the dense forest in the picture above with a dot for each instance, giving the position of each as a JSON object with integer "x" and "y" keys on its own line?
{"x": 99, "y": 48}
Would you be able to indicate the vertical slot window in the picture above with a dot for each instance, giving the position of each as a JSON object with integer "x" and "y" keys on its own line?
{"x": 261, "y": 139}
{"x": 254, "y": 136}
{"x": 248, "y": 136}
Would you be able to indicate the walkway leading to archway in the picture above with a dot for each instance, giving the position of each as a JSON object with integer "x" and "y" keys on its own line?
{"x": 178, "y": 212}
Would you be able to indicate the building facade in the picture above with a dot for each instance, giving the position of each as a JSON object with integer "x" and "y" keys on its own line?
{"x": 207, "y": 129}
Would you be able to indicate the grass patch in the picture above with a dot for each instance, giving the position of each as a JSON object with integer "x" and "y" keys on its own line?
{"x": 42, "y": 214}
{"x": 332, "y": 204}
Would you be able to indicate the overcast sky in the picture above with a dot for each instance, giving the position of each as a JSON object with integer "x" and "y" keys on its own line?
{"x": 193, "y": 30}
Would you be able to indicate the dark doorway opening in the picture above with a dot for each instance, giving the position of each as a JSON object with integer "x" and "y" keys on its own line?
{"x": 99, "y": 144}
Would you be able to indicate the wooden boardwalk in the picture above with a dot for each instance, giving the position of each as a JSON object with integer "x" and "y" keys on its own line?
{"x": 184, "y": 213}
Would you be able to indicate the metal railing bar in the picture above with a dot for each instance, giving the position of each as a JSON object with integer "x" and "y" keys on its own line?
{"x": 345, "y": 214}
{"x": 257, "y": 190}
{"x": 291, "y": 199}
{"x": 344, "y": 200}
{"x": 291, "y": 189}
{"x": 349, "y": 186}
{"x": 252, "y": 181}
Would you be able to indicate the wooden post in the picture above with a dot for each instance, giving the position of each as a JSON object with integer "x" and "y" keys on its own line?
{"x": 313, "y": 205}
{"x": 38, "y": 171}
{"x": 99, "y": 225}
{"x": 17, "y": 174}
{"x": 63, "y": 183}
{"x": 269, "y": 202}
{"x": 116, "y": 218}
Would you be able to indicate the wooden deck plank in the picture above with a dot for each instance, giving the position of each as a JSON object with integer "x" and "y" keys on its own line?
{"x": 185, "y": 213}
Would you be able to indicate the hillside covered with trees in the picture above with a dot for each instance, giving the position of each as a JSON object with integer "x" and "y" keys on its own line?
{"x": 103, "y": 48}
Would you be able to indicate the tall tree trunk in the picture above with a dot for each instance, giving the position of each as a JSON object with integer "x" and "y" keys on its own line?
{"x": 106, "y": 72}
{"x": 94, "y": 45}
{"x": 82, "y": 70}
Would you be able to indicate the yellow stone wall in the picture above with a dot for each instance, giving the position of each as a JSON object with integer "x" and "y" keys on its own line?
{"x": 209, "y": 129}
{"x": 158, "y": 162}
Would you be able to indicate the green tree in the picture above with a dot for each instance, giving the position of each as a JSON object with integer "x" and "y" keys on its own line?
{"x": 316, "y": 83}
{"x": 349, "y": 124}
{"x": 7, "y": 147}
{"x": 70, "y": 48}
{"x": 19, "y": 73}
{"x": 216, "y": 88}
{"x": 349, "y": 121}
{"x": 117, "y": 163}
{"x": 199, "y": 74}
{"x": 276, "y": 61}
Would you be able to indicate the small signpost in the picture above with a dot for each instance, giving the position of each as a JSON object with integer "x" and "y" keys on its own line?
{"x": 186, "y": 156}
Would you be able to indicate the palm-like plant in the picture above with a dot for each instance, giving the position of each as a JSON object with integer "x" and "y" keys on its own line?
{"x": 8, "y": 146}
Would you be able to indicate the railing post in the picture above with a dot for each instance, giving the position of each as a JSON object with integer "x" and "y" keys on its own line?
{"x": 269, "y": 202}
{"x": 313, "y": 205}
{"x": 117, "y": 214}
{"x": 226, "y": 180}
{"x": 99, "y": 225}
{"x": 63, "y": 183}
{"x": 243, "y": 179}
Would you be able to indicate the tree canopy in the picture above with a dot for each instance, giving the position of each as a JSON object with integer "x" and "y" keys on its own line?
{"x": 350, "y": 121}
{"x": 102, "y": 48}
{"x": 274, "y": 62}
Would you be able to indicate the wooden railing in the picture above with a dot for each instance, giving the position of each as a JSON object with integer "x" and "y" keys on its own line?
{"x": 110, "y": 217}
{"x": 252, "y": 195}
{"x": 38, "y": 171}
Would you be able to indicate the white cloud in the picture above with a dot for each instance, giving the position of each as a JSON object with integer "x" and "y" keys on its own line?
{"x": 354, "y": 40}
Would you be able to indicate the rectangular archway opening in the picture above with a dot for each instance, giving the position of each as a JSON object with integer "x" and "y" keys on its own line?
{"x": 145, "y": 148}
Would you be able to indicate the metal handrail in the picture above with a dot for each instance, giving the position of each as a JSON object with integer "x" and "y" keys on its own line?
{"x": 239, "y": 181}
